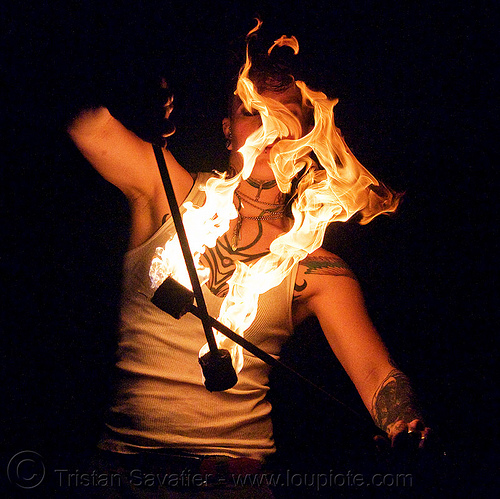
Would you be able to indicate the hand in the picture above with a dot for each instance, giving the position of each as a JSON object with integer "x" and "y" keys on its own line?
{"x": 144, "y": 107}
{"x": 405, "y": 437}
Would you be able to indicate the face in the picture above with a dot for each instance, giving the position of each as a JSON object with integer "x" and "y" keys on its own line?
{"x": 243, "y": 123}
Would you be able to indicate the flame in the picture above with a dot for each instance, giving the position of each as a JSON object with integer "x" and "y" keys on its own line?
{"x": 203, "y": 225}
{"x": 283, "y": 41}
{"x": 335, "y": 191}
{"x": 254, "y": 30}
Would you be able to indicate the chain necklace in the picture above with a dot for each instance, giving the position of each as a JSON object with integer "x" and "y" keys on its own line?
{"x": 251, "y": 202}
{"x": 267, "y": 214}
{"x": 260, "y": 185}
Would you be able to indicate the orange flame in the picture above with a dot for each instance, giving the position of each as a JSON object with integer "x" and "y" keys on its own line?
{"x": 285, "y": 41}
{"x": 254, "y": 30}
{"x": 334, "y": 191}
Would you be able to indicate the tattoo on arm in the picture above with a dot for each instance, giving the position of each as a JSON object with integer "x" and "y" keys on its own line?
{"x": 300, "y": 287}
{"x": 327, "y": 265}
{"x": 394, "y": 400}
{"x": 322, "y": 265}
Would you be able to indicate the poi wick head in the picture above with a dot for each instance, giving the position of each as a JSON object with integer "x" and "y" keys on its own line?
{"x": 218, "y": 370}
{"x": 217, "y": 366}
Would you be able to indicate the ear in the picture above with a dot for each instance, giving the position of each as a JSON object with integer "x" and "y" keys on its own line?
{"x": 226, "y": 128}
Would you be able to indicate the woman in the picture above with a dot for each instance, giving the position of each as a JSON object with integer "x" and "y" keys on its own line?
{"x": 162, "y": 413}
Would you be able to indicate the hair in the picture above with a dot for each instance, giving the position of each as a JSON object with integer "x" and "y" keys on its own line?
{"x": 267, "y": 73}
{"x": 270, "y": 72}
{"x": 275, "y": 74}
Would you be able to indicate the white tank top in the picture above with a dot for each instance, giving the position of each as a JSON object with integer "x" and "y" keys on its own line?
{"x": 160, "y": 400}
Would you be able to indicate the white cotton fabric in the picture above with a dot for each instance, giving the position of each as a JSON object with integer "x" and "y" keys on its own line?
{"x": 160, "y": 400}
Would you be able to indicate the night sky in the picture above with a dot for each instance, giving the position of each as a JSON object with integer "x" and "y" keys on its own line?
{"x": 415, "y": 84}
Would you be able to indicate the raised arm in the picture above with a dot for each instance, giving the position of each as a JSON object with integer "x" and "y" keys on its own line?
{"x": 128, "y": 162}
{"x": 327, "y": 289}
{"x": 120, "y": 156}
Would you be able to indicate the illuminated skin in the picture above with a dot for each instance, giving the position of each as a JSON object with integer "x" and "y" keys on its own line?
{"x": 325, "y": 287}
{"x": 256, "y": 235}
{"x": 242, "y": 123}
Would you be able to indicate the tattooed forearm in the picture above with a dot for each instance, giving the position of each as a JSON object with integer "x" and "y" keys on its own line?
{"x": 393, "y": 401}
{"x": 327, "y": 265}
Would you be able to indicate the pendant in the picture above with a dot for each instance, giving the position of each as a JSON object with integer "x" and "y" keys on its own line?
{"x": 261, "y": 185}
{"x": 236, "y": 233}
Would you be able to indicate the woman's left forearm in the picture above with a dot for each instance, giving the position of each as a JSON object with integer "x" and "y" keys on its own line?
{"x": 393, "y": 401}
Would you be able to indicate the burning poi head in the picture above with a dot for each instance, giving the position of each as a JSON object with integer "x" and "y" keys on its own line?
{"x": 331, "y": 186}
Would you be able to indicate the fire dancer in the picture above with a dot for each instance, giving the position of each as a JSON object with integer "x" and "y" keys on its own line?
{"x": 161, "y": 412}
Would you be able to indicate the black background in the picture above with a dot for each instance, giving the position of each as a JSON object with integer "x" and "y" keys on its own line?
{"x": 416, "y": 84}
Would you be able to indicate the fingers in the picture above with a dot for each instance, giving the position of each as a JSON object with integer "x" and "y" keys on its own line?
{"x": 405, "y": 437}
{"x": 167, "y": 96}
{"x": 402, "y": 438}
{"x": 426, "y": 439}
{"x": 416, "y": 425}
{"x": 420, "y": 433}
{"x": 169, "y": 106}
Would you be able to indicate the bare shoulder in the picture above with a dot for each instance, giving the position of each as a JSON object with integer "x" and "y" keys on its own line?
{"x": 325, "y": 263}
{"x": 322, "y": 275}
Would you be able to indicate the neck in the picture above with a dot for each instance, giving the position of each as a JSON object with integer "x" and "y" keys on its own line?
{"x": 260, "y": 191}
{"x": 259, "y": 200}
{"x": 248, "y": 208}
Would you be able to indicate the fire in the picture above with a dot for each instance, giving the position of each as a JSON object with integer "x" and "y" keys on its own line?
{"x": 333, "y": 192}
{"x": 284, "y": 41}
{"x": 203, "y": 225}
